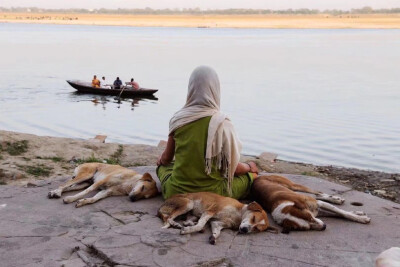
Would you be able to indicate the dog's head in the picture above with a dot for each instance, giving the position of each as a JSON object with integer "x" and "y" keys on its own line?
{"x": 294, "y": 218}
{"x": 144, "y": 188}
{"x": 255, "y": 219}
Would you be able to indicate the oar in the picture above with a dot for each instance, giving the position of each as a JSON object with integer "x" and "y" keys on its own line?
{"x": 119, "y": 97}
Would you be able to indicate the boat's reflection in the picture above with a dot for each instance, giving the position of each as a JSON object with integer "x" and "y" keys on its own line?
{"x": 106, "y": 100}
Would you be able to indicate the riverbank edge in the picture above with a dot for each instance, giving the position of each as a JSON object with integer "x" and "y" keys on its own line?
{"x": 29, "y": 159}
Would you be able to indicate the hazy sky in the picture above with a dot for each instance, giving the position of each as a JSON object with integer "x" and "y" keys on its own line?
{"x": 204, "y": 4}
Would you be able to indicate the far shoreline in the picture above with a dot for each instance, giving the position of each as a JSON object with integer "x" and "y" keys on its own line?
{"x": 320, "y": 21}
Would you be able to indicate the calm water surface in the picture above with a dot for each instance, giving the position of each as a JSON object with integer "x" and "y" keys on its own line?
{"x": 318, "y": 96}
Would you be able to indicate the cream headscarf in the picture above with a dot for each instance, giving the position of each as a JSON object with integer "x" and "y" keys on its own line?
{"x": 203, "y": 100}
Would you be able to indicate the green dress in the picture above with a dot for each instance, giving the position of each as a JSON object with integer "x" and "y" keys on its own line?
{"x": 187, "y": 174}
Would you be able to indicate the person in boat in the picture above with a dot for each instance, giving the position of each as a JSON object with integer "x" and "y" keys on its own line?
{"x": 117, "y": 83}
{"x": 204, "y": 144}
{"x": 95, "y": 82}
{"x": 105, "y": 83}
{"x": 134, "y": 84}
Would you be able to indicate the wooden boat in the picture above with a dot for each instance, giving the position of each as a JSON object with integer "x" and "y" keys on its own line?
{"x": 86, "y": 87}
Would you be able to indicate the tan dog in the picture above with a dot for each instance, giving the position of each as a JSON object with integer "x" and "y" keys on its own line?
{"x": 223, "y": 212}
{"x": 295, "y": 211}
{"x": 113, "y": 180}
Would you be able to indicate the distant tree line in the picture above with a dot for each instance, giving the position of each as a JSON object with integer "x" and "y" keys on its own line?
{"x": 198, "y": 11}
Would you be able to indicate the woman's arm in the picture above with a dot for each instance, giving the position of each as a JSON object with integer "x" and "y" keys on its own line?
{"x": 243, "y": 168}
{"x": 168, "y": 155}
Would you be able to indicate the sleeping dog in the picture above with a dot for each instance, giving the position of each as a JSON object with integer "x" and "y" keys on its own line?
{"x": 295, "y": 211}
{"x": 113, "y": 180}
{"x": 223, "y": 212}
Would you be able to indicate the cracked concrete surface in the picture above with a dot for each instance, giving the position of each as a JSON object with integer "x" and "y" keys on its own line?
{"x": 36, "y": 231}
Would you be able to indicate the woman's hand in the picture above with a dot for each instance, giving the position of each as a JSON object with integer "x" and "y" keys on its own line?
{"x": 243, "y": 168}
{"x": 159, "y": 162}
{"x": 168, "y": 155}
{"x": 253, "y": 167}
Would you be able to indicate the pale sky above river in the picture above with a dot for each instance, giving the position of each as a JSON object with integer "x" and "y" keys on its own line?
{"x": 203, "y": 4}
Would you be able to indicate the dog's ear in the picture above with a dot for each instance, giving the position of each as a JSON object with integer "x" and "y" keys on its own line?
{"x": 147, "y": 177}
{"x": 254, "y": 206}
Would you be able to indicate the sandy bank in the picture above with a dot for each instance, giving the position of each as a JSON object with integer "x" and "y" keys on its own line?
{"x": 47, "y": 157}
{"x": 321, "y": 21}
{"x": 27, "y": 158}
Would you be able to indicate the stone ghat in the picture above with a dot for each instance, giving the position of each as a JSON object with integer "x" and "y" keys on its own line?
{"x": 37, "y": 231}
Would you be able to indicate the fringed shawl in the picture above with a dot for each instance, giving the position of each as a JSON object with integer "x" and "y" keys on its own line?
{"x": 203, "y": 100}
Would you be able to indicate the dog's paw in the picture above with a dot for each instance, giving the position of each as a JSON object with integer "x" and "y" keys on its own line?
{"x": 80, "y": 203}
{"x": 188, "y": 223}
{"x": 68, "y": 200}
{"x": 359, "y": 213}
{"x": 337, "y": 200}
{"x": 364, "y": 219}
{"x": 212, "y": 240}
{"x": 54, "y": 194}
{"x": 165, "y": 226}
{"x": 186, "y": 230}
{"x": 331, "y": 199}
{"x": 175, "y": 224}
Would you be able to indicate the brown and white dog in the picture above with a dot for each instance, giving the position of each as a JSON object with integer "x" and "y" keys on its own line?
{"x": 223, "y": 212}
{"x": 294, "y": 211}
{"x": 113, "y": 180}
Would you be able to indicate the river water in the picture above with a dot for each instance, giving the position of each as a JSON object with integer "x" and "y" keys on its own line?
{"x": 317, "y": 96}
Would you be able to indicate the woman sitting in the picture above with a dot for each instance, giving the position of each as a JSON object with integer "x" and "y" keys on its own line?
{"x": 205, "y": 145}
